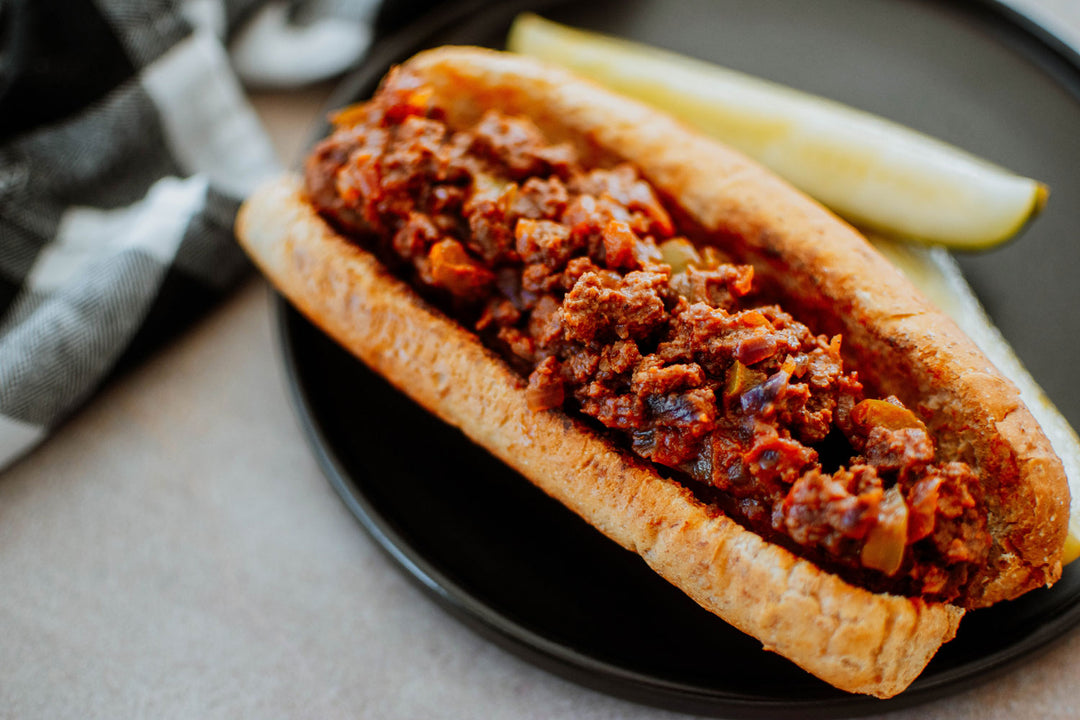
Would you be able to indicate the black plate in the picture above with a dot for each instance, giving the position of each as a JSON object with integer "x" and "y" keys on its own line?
{"x": 525, "y": 572}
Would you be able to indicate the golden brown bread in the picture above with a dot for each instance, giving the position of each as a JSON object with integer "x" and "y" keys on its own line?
{"x": 857, "y": 640}
{"x": 852, "y": 638}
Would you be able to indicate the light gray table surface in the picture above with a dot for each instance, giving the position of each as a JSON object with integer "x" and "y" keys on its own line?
{"x": 175, "y": 552}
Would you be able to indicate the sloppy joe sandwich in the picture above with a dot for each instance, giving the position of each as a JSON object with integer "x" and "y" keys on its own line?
{"x": 700, "y": 361}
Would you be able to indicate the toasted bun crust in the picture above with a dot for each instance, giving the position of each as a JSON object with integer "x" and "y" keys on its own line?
{"x": 854, "y": 639}
{"x": 900, "y": 343}
{"x": 857, "y": 640}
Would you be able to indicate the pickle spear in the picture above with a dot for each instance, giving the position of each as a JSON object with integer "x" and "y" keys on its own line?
{"x": 873, "y": 172}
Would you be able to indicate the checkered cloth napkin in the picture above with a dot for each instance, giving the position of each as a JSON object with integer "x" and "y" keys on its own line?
{"x": 126, "y": 143}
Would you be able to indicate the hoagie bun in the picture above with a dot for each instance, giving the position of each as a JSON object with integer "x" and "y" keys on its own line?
{"x": 838, "y": 625}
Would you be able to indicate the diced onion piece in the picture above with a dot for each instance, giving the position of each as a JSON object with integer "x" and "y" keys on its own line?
{"x": 886, "y": 541}
{"x": 870, "y": 413}
{"x": 454, "y": 270}
{"x": 741, "y": 379}
{"x": 680, "y": 254}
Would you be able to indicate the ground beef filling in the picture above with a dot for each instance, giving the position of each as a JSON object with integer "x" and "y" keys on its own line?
{"x": 579, "y": 279}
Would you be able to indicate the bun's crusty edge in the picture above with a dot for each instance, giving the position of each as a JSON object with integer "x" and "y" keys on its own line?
{"x": 854, "y": 639}
{"x": 900, "y": 343}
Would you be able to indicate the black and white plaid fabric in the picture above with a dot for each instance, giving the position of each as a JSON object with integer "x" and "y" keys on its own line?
{"x": 126, "y": 143}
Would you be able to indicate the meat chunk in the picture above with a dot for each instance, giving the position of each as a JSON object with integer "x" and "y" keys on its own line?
{"x": 631, "y": 309}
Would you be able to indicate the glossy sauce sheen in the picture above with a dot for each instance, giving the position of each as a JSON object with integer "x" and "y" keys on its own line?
{"x": 578, "y": 278}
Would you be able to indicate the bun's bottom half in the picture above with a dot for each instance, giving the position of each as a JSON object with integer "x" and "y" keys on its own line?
{"x": 856, "y": 640}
